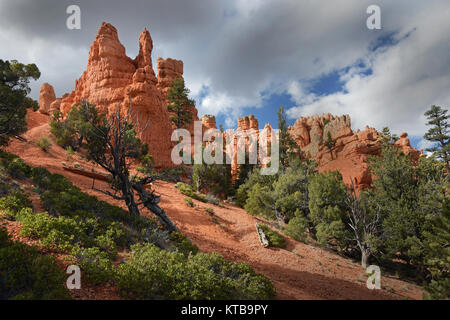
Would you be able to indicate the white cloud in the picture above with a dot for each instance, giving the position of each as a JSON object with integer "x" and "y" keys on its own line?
{"x": 407, "y": 79}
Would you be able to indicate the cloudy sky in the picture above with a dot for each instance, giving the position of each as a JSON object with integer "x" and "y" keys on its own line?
{"x": 250, "y": 56}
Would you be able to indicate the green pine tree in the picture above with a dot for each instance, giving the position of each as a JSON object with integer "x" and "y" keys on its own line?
{"x": 287, "y": 146}
{"x": 178, "y": 101}
{"x": 438, "y": 254}
{"x": 439, "y": 134}
{"x": 14, "y": 88}
{"x": 330, "y": 144}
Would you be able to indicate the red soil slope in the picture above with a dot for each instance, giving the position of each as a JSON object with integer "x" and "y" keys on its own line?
{"x": 298, "y": 272}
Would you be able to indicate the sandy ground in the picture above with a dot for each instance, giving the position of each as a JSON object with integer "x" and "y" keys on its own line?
{"x": 300, "y": 271}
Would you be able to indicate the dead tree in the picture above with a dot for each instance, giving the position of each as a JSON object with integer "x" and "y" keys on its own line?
{"x": 363, "y": 224}
{"x": 111, "y": 143}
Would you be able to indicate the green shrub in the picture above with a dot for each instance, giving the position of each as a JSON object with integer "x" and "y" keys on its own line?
{"x": 187, "y": 190}
{"x": 183, "y": 244}
{"x": 60, "y": 233}
{"x": 210, "y": 211}
{"x": 17, "y": 168}
{"x": 44, "y": 144}
{"x": 69, "y": 152}
{"x": 25, "y": 274}
{"x": 95, "y": 263}
{"x": 274, "y": 238}
{"x": 296, "y": 228}
{"x": 44, "y": 180}
{"x": 152, "y": 273}
{"x": 14, "y": 203}
{"x": 63, "y": 233}
{"x": 189, "y": 202}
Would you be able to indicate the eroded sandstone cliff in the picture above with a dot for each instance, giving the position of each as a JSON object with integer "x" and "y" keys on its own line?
{"x": 112, "y": 80}
{"x": 351, "y": 151}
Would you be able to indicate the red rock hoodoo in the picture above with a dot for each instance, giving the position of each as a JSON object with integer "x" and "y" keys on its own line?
{"x": 46, "y": 98}
{"x": 112, "y": 79}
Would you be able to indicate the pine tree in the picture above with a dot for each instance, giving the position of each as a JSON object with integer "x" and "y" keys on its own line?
{"x": 14, "y": 88}
{"x": 439, "y": 134}
{"x": 438, "y": 254}
{"x": 178, "y": 101}
{"x": 287, "y": 146}
{"x": 330, "y": 144}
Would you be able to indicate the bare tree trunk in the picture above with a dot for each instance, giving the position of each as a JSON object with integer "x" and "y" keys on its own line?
{"x": 150, "y": 201}
{"x": 365, "y": 256}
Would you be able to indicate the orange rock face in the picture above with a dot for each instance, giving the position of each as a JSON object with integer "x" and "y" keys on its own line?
{"x": 114, "y": 80}
{"x": 351, "y": 151}
{"x": 168, "y": 70}
{"x": 208, "y": 122}
{"x": 247, "y": 125}
{"x": 46, "y": 98}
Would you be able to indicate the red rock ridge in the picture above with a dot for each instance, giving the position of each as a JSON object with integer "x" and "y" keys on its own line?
{"x": 352, "y": 149}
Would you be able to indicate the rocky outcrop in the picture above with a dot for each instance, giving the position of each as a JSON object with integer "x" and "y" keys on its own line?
{"x": 247, "y": 123}
{"x": 46, "y": 98}
{"x": 114, "y": 80}
{"x": 208, "y": 122}
{"x": 351, "y": 151}
{"x": 247, "y": 126}
{"x": 168, "y": 70}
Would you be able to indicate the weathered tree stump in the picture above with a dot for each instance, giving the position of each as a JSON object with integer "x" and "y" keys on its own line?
{"x": 262, "y": 236}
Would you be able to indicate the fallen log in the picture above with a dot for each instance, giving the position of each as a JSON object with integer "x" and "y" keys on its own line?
{"x": 262, "y": 236}
{"x": 91, "y": 174}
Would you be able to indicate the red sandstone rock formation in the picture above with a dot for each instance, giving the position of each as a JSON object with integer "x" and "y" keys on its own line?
{"x": 46, "y": 98}
{"x": 352, "y": 149}
{"x": 112, "y": 79}
{"x": 247, "y": 125}
{"x": 208, "y": 122}
{"x": 168, "y": 70}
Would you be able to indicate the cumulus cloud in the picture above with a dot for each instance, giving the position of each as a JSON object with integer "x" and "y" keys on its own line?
{"x": 407, "y": 78}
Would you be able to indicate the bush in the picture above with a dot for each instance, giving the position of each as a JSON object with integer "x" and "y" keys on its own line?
{"x": 14, "y": 203}
{"x": 189, "y": 202}
{"x": 95, "y": 263}
{"x": 296, "y": 228}
{"x": 187, "y": 191}
{"x": 17, "y": 168}
{"x": 26, "y": 274}
{"x": 69, "y": 152}
{"x": 153, "y": 273}
{"x": 60, "y": 233}
{"x": 274, "y": 238}
{"x": 210, "y": 211}
{"x": 182, "y": 244}
{"x": 44, "y": 144}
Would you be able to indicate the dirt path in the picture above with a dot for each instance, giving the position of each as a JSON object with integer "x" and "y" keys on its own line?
{"x": 298, "y": 272}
